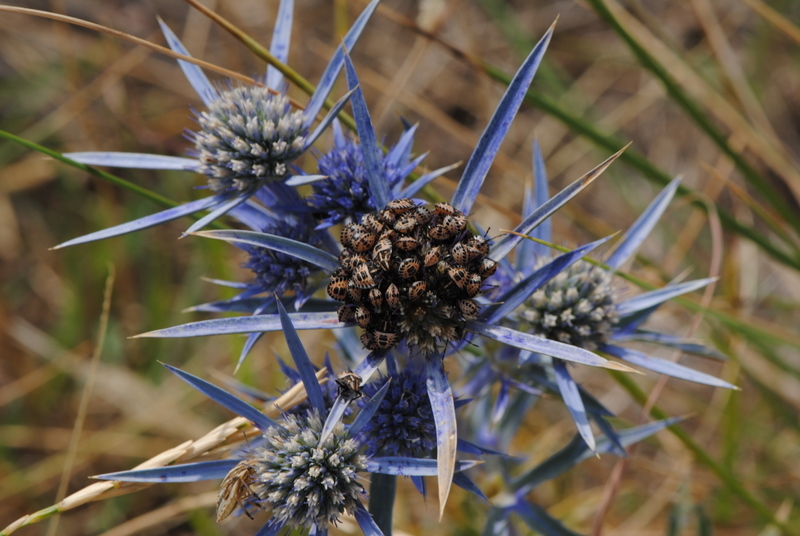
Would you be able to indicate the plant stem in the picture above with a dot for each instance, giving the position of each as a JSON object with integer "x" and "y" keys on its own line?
{"x": 381, "y": 501}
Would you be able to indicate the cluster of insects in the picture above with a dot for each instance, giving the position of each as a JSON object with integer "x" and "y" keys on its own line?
{"x": 409, "y": 271}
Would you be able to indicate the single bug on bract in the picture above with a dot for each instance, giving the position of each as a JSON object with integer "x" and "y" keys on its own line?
{"x": 235, "y": 491}
{"x": 349, "y": 385}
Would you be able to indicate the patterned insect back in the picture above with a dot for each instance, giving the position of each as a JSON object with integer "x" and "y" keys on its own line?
{"x": 410, "y": 272}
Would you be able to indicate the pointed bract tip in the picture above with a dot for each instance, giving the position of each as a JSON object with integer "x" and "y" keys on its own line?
{"x": 613, "y": 365}
{"x": 597, "y": 171}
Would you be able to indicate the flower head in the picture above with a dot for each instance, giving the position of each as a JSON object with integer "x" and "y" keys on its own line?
{"x": 346, "y": 194}
{"x": 412, "y": 273}
{"x": 247, "y": 136}
{"x": 305, "y": 483}
{"x": 276, "y": 272}
{"x": 577, "y": 306}
{"x": 403, "y": 425}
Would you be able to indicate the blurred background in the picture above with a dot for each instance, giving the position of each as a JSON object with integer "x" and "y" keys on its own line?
{"x": 706, "y": 89}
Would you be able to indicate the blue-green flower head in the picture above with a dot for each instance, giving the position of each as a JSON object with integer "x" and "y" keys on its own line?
{"x": 578, "y": 306}
{"x": 247, "y": 136}
{"x": 403, "y": 425}
{"x": 305, "y": 483}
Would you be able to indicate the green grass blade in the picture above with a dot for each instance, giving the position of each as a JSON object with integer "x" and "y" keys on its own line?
{"x": 730, "y": 480}
{"x": 696, "y": 113}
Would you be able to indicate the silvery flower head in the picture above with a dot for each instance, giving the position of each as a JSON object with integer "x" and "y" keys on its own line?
{"x": 248, "y": 135}
{"x": 305, "y": 482}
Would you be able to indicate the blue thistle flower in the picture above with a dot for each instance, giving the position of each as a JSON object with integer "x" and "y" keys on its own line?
{"x": 403, "y": 425}
{"x": 346, "y": 195}
{"x": 426, "y": 319}
{"x": 275, "y": 272}
{"x": 572, "y": 301}
{"x": 247, "y": 137}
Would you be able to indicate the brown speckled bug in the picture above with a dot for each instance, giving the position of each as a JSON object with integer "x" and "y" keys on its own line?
{"x": 406, "y": 243}
{"x": 363, "y": 242}
{"x": 337, "y": 288}
{"x": 408, "y": 268}
{"x": 353, "y": 292}
{"x": 345, "y": 313}
{"x": 445, "y": 209}
{"x": 349, "y": 385}
{"x": 423, "y": 215}
{"x": 417, "y": 290}
{"x": 487, "y": 268}
{"x": 473, "y": 285}
{"x": 383, "y": 341}
{"x": 349, "y": 233}
{"x": 400, "y": 206}
{"x": 454, "y": 224}
{"x": 406, "y": 224}
{"x": 439, "y": 232}
{"x": 480, "y": 244}
{"x": 382, "y": 254}
{"x": 460, "y": 254}
{"x": 393, "y": 296}
{"x": 375, "y": 298}
{"x": 433, "y": 256}
{"x": 468, "y": 308}
{"x": 362, "y": 278}
{"x": 362, "y": 316}
{"x": 458, "y": 276}
{"x": 372, "y": 223}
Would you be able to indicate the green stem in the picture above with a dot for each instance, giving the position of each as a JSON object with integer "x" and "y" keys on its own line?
{"x": 381, "y": 500}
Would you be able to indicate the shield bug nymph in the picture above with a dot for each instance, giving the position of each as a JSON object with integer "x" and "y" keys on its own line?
{"x": 349, "y": 385}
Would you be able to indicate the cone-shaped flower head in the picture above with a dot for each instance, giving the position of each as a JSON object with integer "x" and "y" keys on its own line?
{"x": 403, "y": 425}
{"x": 248, "y": 135}
{"x": 577, "y": 306}
{"x": 346, "y": 194}
{"x": 277, "y": 272}
{"x": 409, "y": 272}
